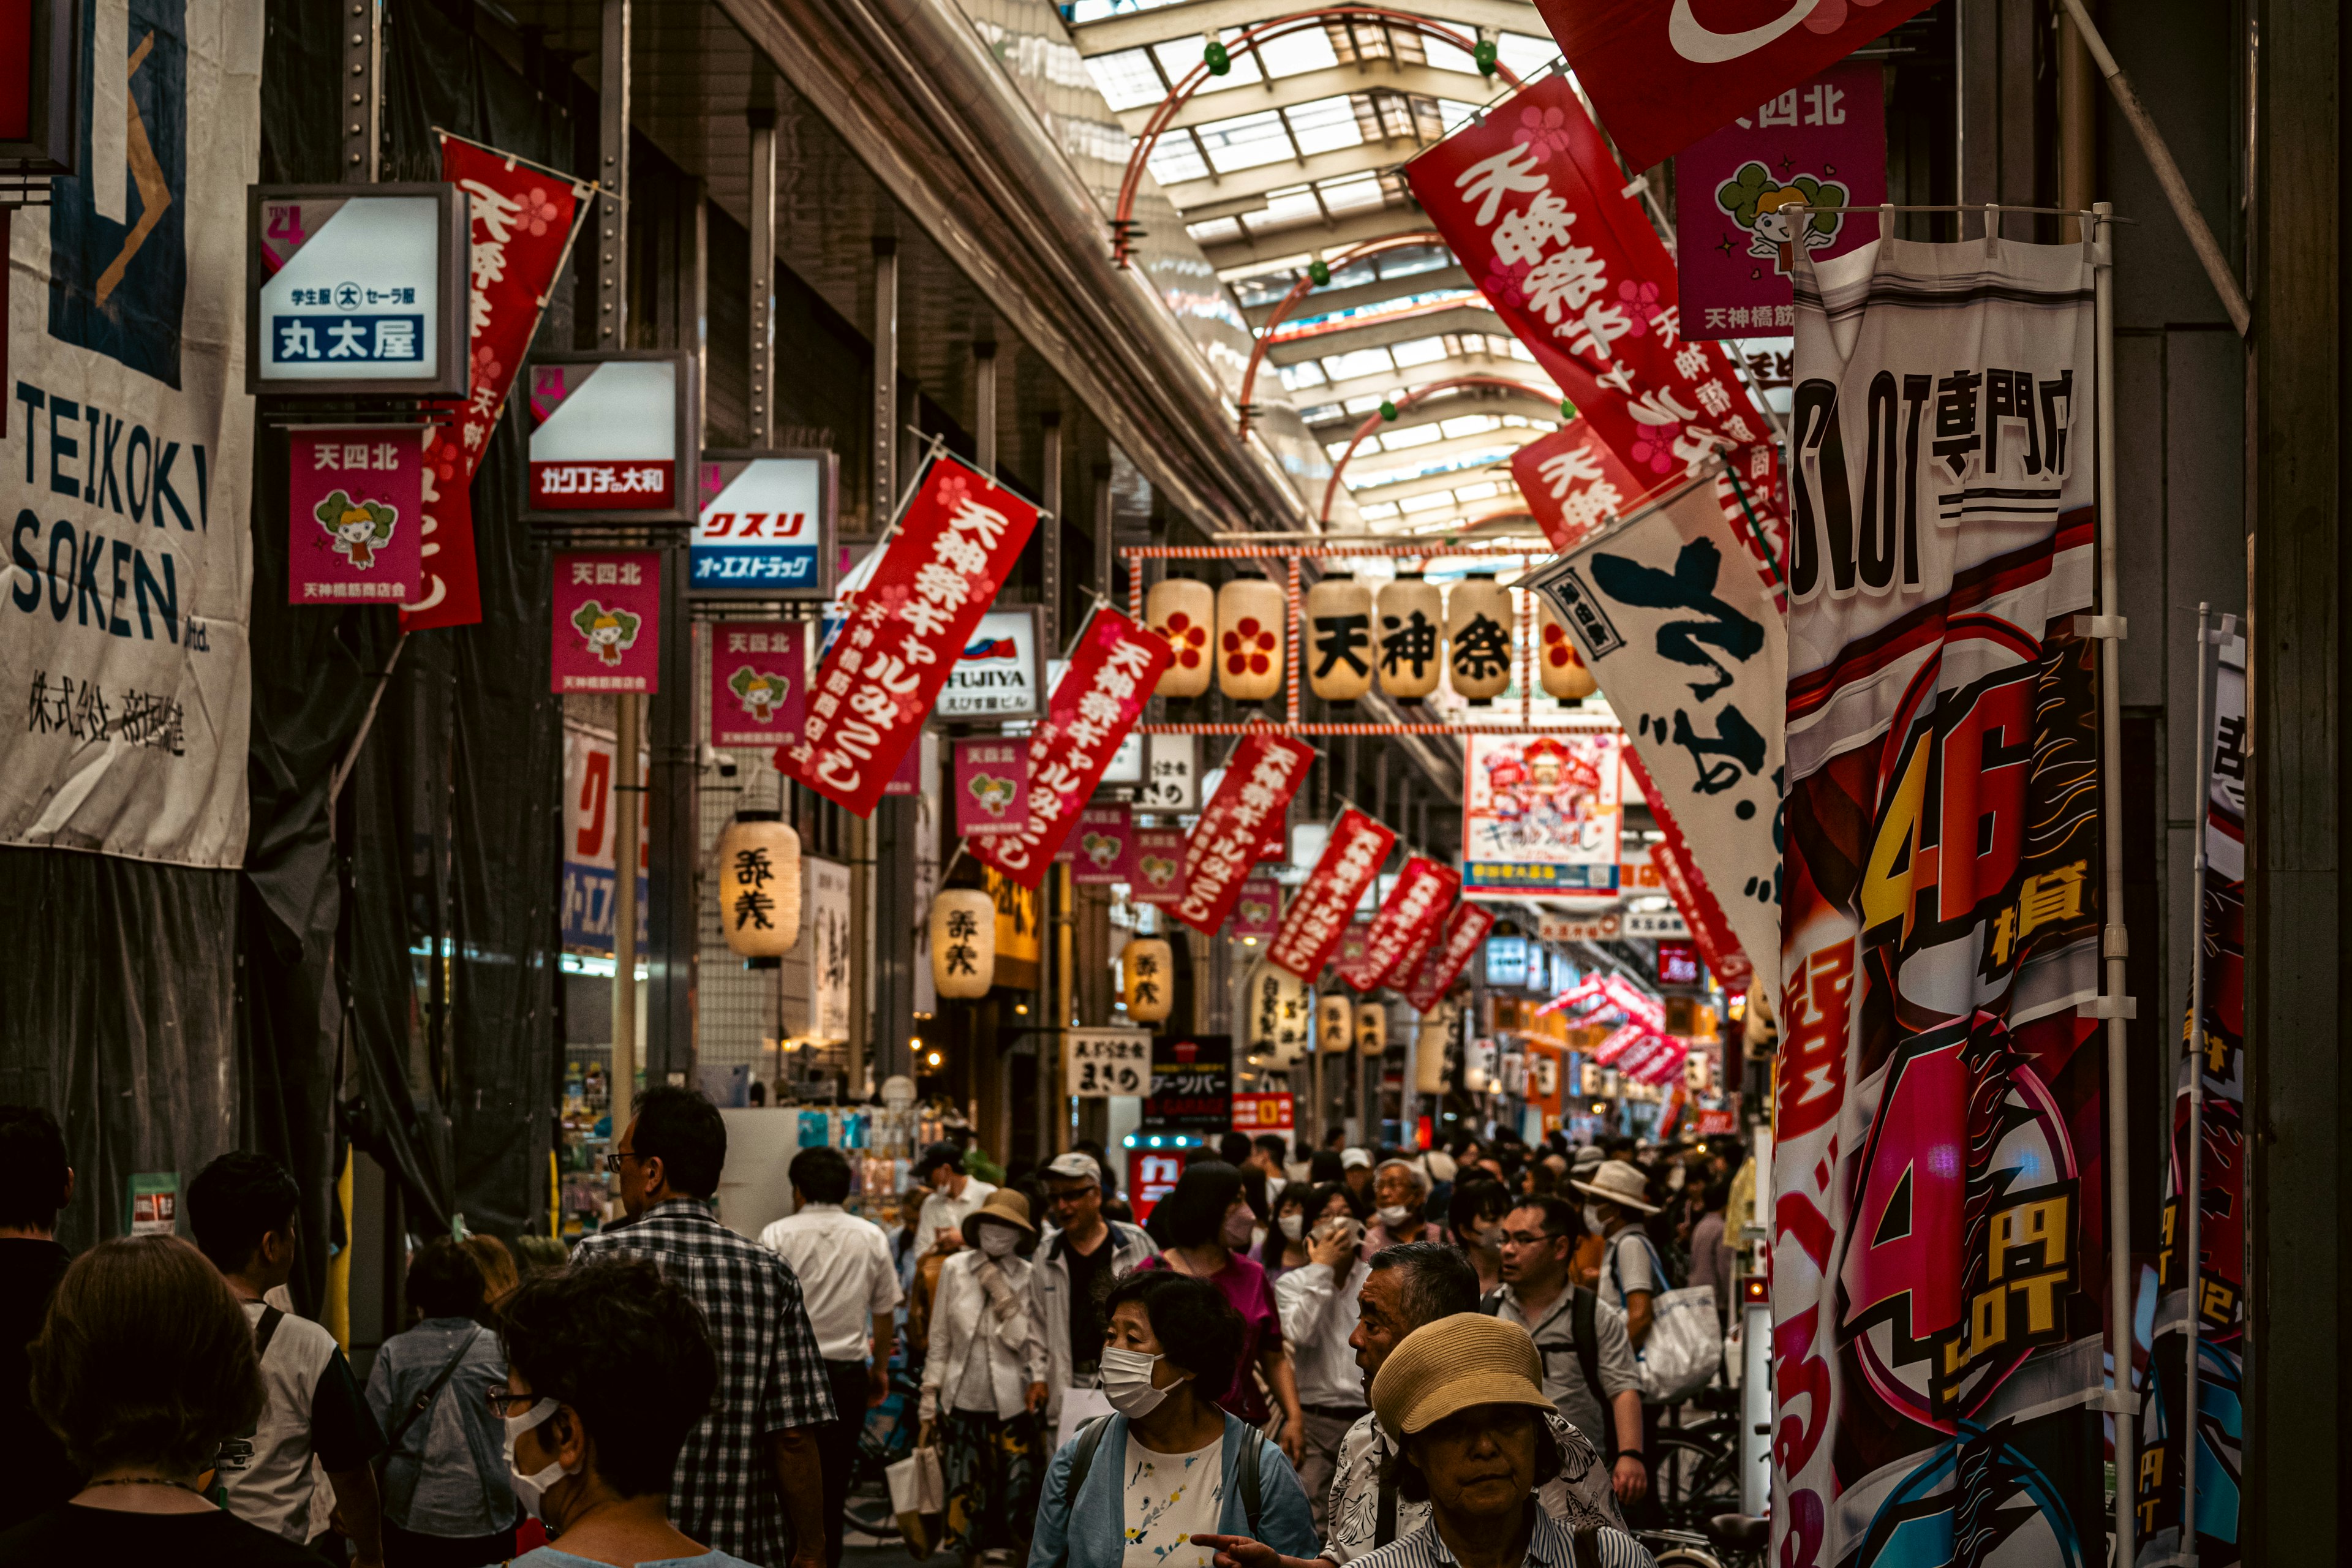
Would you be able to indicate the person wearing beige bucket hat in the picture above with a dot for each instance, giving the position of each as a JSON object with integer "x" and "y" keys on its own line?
{"x": 985, "y": 1381}
{"x": 1630, "y": 1278}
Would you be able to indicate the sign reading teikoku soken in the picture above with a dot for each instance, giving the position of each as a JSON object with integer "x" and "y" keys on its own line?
{"x": 955, "y": 540}
{"x": 1939, "y": 1170}
{"x": 1317, "y": 917}
{"x": 1260, "y": 775}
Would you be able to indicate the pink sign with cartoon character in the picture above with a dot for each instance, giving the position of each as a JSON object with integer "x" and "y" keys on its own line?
{"x": 353, "y": 498}
{"x": 607, "y": 621}
{"x": 759, "y": 680}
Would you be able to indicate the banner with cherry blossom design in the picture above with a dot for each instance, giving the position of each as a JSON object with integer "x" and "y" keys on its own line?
{"x": 1461, "y": 937}
{"x": 1111, "y": 674}
{"x": 1260, "y": 775}
{"x": 955, "y": 540}
{"x": 1419, "y": 897}
{"x": 1317, "y": 917}
{"x": 1573, "y": 483}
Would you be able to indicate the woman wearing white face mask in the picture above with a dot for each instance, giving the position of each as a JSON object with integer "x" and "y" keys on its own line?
{"x": 1134, "y": 1489}
{"x": 985, "y": 1381}
{"x": 608, "y": 1369}
{"x": 1301, "y": 1209}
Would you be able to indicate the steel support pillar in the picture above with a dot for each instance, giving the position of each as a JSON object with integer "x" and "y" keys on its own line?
{"x": 891, "y": 886}
{"x": 363, "y": 108}
{"x": 612, "y": 304}
{"x": 761, "y": 430}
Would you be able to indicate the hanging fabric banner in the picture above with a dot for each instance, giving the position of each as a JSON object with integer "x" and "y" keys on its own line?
{"x": 1662, "y": 77}
{"x": 1260, "y": 775}
{"x": 522, "y": 220}
{"x": 1317, "y": 917}
{"x": 1158, "y": 856}
{"x": 352, "y": 503}
{"x": 991, "y": 777}
{"x": 1100, "y": 850}
{"x": 957, "y": 538}
{"x": 606, "y": 621}
{"x": 1417, "y": 947}
{"x": 1531, "y": 200}
{"x": 1463, "y": 933}
{"x": 1671, "y": 617}
{"x": 1573, "y": 482}
{"x": 1940, "y": 1215}
{"x": 1419, "y": 898}
{"x": 1258, "y": 913}
{"x": 758, "y": 681}
{"x": 1112, "y": 673}
{"x": 2219, "y": 1053}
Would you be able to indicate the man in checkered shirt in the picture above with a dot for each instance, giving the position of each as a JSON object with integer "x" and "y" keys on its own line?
{"x": 754, "y": 1460}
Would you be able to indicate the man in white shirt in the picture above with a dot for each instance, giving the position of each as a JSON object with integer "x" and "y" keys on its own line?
{"x": 1318, "y": 1304}
{"x": 955, "y": 1196}
{"x": 847, "y": 1284}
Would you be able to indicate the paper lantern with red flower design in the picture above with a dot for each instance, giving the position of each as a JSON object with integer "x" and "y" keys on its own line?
{"x": 1184, "y": 611}
{"x": 1249, "y": 639}
{"x": 1563, "y": 673}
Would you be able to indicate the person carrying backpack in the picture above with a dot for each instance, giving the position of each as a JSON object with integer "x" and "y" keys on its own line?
{"x": 1589, "y": 1372}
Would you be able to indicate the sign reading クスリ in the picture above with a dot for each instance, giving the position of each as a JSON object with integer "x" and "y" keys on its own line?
{"x": 765, "y": 525}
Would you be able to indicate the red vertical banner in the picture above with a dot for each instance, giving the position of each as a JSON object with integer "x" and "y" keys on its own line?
{"x": 1423, "y": 890}
{"x": 1573, "y": 482}
{"x": 1111, "y": 675}
{"x": 955, "y": 542}
{"x": 1260, "y": 775}
{"x": 523, "y": 218}
{"x": 1317, "y": 919}
{"x": 1464, "y": 931}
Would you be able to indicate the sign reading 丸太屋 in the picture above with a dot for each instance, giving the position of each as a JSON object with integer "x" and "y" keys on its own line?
{"x": 765, "y": 527}
{"x": 609, "y": 435}
{"x": 357, "y": 290}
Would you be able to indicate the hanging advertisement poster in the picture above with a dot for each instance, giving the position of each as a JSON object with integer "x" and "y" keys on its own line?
{"x": 2219, "y": 1053}
{"x": 1157, "y": 857}
{"x": 1940, "y": 913}
{"x": 957, "y": 536}
{"x": 1461, "y": 937}
{"x": 1573, "y": 482}
{"x": 610, "y": 434}
{"x": 126, "y": 460}
{"x": 1316, "y": 921}
{"x": 1822, "y": 146}
{"x": 764, "y": 528}
{"x": 830, "y": 933}
{"x": 352, "y": 498}
{"x": 1261, "y": 774}
{"x": 607, "y": 621}
{"x": 1100, "y": 848}
{"x": 1674, "y": 621}
{"x": 991, "y": 779}
{"x": 758, "y": 681}
{"x": 588, "y": 840}
{"x": 1113, "y": 668}
{"x": 1258, "y": 913}
{"x": 1541, "y": 814}
{"x": 357, "y": 290}
{"x": 1662, "y": 77}
{"x": 1191, "y": 1083}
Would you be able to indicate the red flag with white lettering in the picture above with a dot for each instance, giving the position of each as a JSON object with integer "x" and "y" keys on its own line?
{"x": 1573, "y": 483}
{"x": 956, "y": 541}
{"x": 1419, "y": 897}
{"x": 1260, "y": 775}
{"x": 1317, "y": 917}
{"x": 1111, "y": 675}
{"x": 1664, "y": 75}
{"x": 1464, "y": 929}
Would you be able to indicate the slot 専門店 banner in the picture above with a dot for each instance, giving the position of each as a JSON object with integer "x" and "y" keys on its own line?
{"x": 1317, "y": 917}
{"x": 1260, "y": 775}
{"x": 1939, "y": 1229}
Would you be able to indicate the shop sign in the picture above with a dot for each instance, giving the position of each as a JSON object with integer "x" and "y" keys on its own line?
{"x": 1677, "y": 965}
{"x": 1465, "y": 927}
{"x": 1822, "y": 145}
{"x": 1653, "y": 925}
{"x": 1099, "y": 1063}
{"x": 1016, "y": 919}
{"x": 1258, "y": 913}
{"x": 588, "y": 844}
{"x": 1171, "y": 777}
{"x": 1423, "y": 891}
{"x": 1573, "y": 482}
{"x": 991, "y": 787}
{"x": 1262, "y": 773}
{"x": 1158, "y": 860}
{"x": 1191, "y": 1084}
{"x": 1579, "y": 928}
{"x": 353, "y": 503}
{"x": 1507, "y": 961}
{"x": 1157, "y": 1172}
{"x": 1317, "y": 920}
{"x": 611, "y": 437}
{"x": 1256, "y": 1113}
{"x": 1715, "y": 1124}
{"x": 607, "y": 621}
{"x": 357, "y": 290}
{"x": 154, "y": 1203}
{"x": 956, "y": 539}
{"x": 1128, "y": 764}
{"x": 764, "y": 525}
{"x": 759, "y": 680}
{"x": 1098, "y": 848}
{"x": 1112, "y": 672}
{"x": 1542, "y": 813}
{"x": 830, "y": 936}
{"x": 997, "y": 676}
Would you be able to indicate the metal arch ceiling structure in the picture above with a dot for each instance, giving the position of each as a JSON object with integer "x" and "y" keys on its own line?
{"x": 1292, "y": 158}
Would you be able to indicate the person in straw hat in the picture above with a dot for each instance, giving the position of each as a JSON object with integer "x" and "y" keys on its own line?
{"x": 1463, "y": 1401}
{"x": 985, "y": 1381}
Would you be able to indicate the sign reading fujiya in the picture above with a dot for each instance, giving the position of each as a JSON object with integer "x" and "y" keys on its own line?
{"x": 1112, "y": 672}
{"x": 957, "y": 538}
{"x": 607, "y": 621}
{"x": 1423, "y": 890}
{"x": 1260, "y": 775}
{"x": 352, "y": 498}
{"x": 1317, "y": 917}
{"x": 1464, "y": 929}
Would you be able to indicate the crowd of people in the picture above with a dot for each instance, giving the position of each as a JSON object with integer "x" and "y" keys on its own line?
{"x": 1303, "y": 1359}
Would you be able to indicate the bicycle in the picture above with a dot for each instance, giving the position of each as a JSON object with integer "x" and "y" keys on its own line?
{"x": 888, "y": 1437}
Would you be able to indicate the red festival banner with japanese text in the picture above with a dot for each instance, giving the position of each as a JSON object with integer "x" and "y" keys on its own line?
{"x": 956, "y": 539}
{"x": 1260, "y": 775}
{"x": 1573, "y": 482}
{"x": 1111, "y": 675}
{"x": 1459, "y": 940}
{"x": 1686, "y": 885}
{"x": 523, "y": 220}
{"x": 1532, "y": 202}
{"x": 1317, "y": 917}
{"x": 1418, "y": 898}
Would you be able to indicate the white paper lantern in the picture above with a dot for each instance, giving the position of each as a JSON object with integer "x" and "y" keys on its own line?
{"x": 760, "y": 888}
{"x": 1339, "y": 644}
{"x": 1249, "y": 639}
{"x": 1147, "y": 973}
{"x": 1478, "y": 639}
{"x": 1558, "y": 664}
{"x": 1335, "y": 1023}
{"x": 964, "y": 942}
{"x": 1371, "y": 1029}
{"x": 1277, "y": 1001}
{"x": 1184, "y": 611}
{"x": 1429, "y": 1043}
{"x": 1412, "y": 631}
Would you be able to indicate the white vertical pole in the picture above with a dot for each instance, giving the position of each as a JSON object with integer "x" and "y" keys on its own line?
{"x": 2192, "y": 1194}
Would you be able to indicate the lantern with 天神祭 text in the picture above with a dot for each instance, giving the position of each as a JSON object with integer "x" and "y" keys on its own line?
{"x": 1184, "y": 611}
{"x": 964, "y": 942}
{"x": 759, "y": 883}
{"x": 1478, "y": 639}
{"x": 1339, "y": 639}
{"x": 1411, "y": 625}
{"x": 1147, "y": 971}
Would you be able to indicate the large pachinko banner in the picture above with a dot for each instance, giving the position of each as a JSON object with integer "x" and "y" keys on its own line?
{"x": 127, "y": 461}
{"x": 2219, "y": 1053}
{"x": 956, "y": 538}
{"x": 1260, "y": 775}
{"x": 1542, "y": 813}
{"x": 1317, "y": 917}
{"x": 1940, "y": 1222}
{"x": 1532, "y": 201}
{"x": 1113, "y": 668}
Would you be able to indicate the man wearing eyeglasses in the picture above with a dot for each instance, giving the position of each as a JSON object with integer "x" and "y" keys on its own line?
{"x": 1079, "y": 1254}
{"x": 1588, "y": 1361}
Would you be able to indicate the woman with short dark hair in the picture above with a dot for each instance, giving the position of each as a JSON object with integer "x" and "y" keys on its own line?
{"x": 143, "y": 1367}
{"x": 447, "y": 1503}
{"x": 1204, "y": 1229}
{"x": 1138, "y": 1486}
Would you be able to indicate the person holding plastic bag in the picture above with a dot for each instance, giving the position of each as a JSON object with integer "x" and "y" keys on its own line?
{"x": 984, "y": 1387}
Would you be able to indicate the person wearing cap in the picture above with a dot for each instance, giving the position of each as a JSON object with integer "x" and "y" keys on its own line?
{"x": 955, "y": 1196}
{"x": 1463, "y": 1401}
{"x": 1080, "y": 1254}
{"x": 1356, "y": 1170}
{"x": 984, "y": 1381}
{"x": 1398, "y": 1192}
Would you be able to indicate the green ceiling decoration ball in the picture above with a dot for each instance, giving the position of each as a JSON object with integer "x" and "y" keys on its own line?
{"x": 1483, "y": 57}
{"x": 1220, "y": 58}
{"x": 1318, "y": 273}
{"x": 1566, "y": 409}
{"x": 1388, "y": 409}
